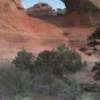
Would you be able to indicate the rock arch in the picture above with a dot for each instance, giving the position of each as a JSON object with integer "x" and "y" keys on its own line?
{"x": 81, "y": 5}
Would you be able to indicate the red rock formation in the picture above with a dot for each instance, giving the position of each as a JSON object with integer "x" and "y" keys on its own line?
{"x": 81, "y": 5}
{"x": 40, "y": 9}
{"x": 81, "y": 13}
{"x": 18, "y": 31}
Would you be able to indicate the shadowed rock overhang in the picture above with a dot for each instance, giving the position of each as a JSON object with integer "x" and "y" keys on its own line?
{"x": 82, "y": 5}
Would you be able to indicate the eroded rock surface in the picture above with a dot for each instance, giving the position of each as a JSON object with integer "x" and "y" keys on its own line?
{"x": 40, "y": 9}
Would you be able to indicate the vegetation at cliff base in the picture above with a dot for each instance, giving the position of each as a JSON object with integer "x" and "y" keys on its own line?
{"x": 55, "y": 61}
{"x": 30, "y": 75}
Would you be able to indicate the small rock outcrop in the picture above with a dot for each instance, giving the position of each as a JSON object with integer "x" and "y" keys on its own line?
{"x": 40, "y": 9}
{"x": 18, "y": 3}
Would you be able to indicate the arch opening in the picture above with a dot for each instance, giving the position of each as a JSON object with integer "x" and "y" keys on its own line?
{"x": 54, "y": 3}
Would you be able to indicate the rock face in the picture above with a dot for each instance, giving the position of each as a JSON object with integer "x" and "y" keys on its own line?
{"x": 85, "y": 12}
{"x": 82, "y": 6}
{"x": 18, "y": 31}
{"x": 18, "y": 4}
{"x": 40, "y": 9}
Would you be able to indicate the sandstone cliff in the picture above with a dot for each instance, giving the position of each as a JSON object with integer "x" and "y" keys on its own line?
{"x": 18, "y": 30}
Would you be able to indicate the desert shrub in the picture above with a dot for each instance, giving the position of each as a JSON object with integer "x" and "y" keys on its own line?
{"x": 41, "y": 74}
{"x": 92, "y": 38}
{"x": 13, "y": 81}
{"x": 91, "y": 41}
{"x": 96, "y": 69}
{"x": 95, "y": 35}
{"x": 16, "y": 84}
{"x": 48, "y": 62}
{"x": 55, "y": 86}
{"x": 45, "y": 61}
{"x": 55, "y": 61}
{"x": 59, "y": 60}
{"x": 69, "y": 59}
{"x": 24, "y": 60}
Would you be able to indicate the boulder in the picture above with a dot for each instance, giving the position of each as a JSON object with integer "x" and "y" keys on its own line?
{"x": 40, "y": 9}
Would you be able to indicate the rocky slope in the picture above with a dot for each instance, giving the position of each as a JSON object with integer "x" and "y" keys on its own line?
{"x": 19, "y": 31}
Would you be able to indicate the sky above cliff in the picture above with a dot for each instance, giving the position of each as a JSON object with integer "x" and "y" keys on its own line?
{"x": 54, "y": 3}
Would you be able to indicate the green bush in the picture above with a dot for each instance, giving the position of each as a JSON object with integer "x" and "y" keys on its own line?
{"x": 68, "y": 59}
{"x": 16, "y": 84}
{"x": 24, "y": 60}
{"x": 55, "y": 61}
{"x": 47, "y": 62}
{"x": 95, "y": 35}
{"x": 21, "y": 81}
{"x": 92, "y": 38}
{"x": 14, "y": 81}
{"x": 96, "y": 69}
{"x": 59, "y": 60}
